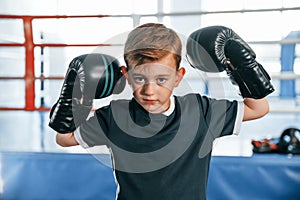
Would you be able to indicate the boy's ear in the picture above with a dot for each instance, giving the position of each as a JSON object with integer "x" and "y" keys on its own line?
{"x": 123, "y": 69}
{"x": 180, "y": 74}
{"x": 124, "y": 72}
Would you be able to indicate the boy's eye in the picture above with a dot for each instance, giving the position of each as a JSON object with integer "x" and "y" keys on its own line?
{"x": 161, "y": 80}
{"x": 139, "y": 79}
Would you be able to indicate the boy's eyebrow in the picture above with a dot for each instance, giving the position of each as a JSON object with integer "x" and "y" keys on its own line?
{"x": 159, "y": 75}
{"x": 136, "y": 74}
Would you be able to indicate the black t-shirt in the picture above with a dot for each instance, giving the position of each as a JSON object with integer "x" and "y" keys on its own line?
{"x": 156, "y": 156}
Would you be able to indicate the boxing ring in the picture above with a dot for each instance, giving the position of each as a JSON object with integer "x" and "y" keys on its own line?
{"x": 56, "y": 175}
{"x": 286, "y": 79}
{"x": 30, "y": 66}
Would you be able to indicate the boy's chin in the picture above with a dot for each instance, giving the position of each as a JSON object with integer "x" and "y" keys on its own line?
{"x": 154, "y": 109}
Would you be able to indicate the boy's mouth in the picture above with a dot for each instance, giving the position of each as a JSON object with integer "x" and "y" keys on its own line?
{"x": 150, "y": 101}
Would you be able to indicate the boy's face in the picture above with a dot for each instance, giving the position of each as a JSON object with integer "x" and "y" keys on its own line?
{"x": 153, "y": 83}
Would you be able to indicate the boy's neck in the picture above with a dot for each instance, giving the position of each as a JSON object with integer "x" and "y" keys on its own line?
{"x": 171, "y": 108}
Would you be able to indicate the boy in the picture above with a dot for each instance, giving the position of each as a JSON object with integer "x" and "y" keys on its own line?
{"x": 161, "y": 143}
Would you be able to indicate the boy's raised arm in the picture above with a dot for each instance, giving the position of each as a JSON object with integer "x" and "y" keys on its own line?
{"x": 89, "y": 77}
{"x": 218, "y": 48}
{"x": 255, "y": 108}
{"x": 66, "y": 139}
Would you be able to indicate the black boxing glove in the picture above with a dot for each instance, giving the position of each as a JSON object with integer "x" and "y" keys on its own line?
{"x": 89, "y": 76}
{"x": 218, "y": 48}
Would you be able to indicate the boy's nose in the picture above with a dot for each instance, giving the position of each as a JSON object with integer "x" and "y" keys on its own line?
{"x": 149, "y": 88}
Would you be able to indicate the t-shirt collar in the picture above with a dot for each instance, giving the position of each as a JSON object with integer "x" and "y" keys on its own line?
{"x": 171, "y": 108}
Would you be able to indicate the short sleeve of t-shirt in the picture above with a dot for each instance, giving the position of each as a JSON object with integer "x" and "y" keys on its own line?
{"x": 223, "y": 117}
{"x": 92, "y": 132}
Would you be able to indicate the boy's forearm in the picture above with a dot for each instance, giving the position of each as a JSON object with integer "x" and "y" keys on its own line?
{"x": 66, "y": 139}
{"x": 255, "y": 108}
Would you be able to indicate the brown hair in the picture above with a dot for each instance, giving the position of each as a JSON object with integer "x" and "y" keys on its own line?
{"x": 151, "y": 42}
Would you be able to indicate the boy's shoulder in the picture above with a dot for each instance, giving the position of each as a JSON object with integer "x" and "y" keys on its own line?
{"x": 190, "y": 97}
{"x": 115, "y": 102}
{"x": 196, "y": 100}
{"x": 116, "y": 105}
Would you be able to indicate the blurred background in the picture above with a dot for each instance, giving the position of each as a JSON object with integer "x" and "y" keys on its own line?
{"x": 38, "y": 39}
